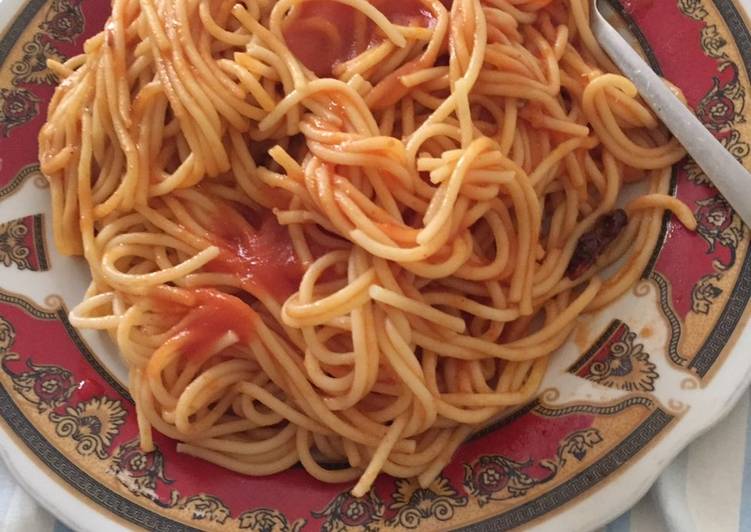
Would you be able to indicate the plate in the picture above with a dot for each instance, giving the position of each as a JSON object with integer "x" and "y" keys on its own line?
{"x": 635, "y": 383}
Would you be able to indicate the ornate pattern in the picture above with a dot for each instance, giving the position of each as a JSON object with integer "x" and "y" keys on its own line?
{"x": 268, "y": 520}
{"x": 414, "y": 504}
{"x": 17, "y": 106}
{"x": 143, "y": 475}
{"x": 616, "y": 360}
{"x": 595, "y": 410}
{"x": 577, "y": 445}
{"x": 626, "y": 365}
{"x": 32, "y": 67}
{"x": 346, "y": 512}
{"x": 498, "y": 478}
{"x": 64, "y": 20}
{"x": 13, "y": 249}
{"x": 91, "y": 424}
{"x": 204, "y": 507}
{"x": 45, "y": 386}
{"x": 693, "y": 8}
{"x": 141, "y": 472}
{"x": 722, "y": 106}
{"x": 7, "y": 335}
{"x": 721, "y": 109}
{"x": 719, "y": 225}
{"x": 705, "y": 292}
{"x": 712, "y": 42}
{"x": 675, "y": 325}
{"x": 13, "y": 185}
{"x": 22, "y": 244}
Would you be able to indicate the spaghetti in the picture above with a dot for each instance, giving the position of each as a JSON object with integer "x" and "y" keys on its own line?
{"x": 340, "y": 232}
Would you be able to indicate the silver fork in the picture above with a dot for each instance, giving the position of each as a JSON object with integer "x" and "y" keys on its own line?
{"x": 725, "y": 172}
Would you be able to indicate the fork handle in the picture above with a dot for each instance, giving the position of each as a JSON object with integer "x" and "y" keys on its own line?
{"x": 725, "y": 172}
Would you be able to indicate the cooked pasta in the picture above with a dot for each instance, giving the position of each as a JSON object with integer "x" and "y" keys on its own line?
{"x": 345, "y": 233}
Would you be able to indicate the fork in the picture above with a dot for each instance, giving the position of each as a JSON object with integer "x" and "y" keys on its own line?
{"x": 725, "y": 172}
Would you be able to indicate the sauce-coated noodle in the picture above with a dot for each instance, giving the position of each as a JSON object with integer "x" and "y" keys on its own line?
{"x": 338, "y": 231}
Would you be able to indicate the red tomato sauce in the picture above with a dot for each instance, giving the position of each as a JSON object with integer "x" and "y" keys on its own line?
{"x": 324, "y": 33}
{"x": 210, "y": 315}
{"x": 263, "y": 259}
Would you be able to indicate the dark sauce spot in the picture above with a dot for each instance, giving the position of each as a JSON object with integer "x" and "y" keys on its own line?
{"x": 592, "y": 243}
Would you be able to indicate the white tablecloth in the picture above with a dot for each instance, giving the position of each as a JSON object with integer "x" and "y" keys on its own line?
{"x": 706, "y": 489}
